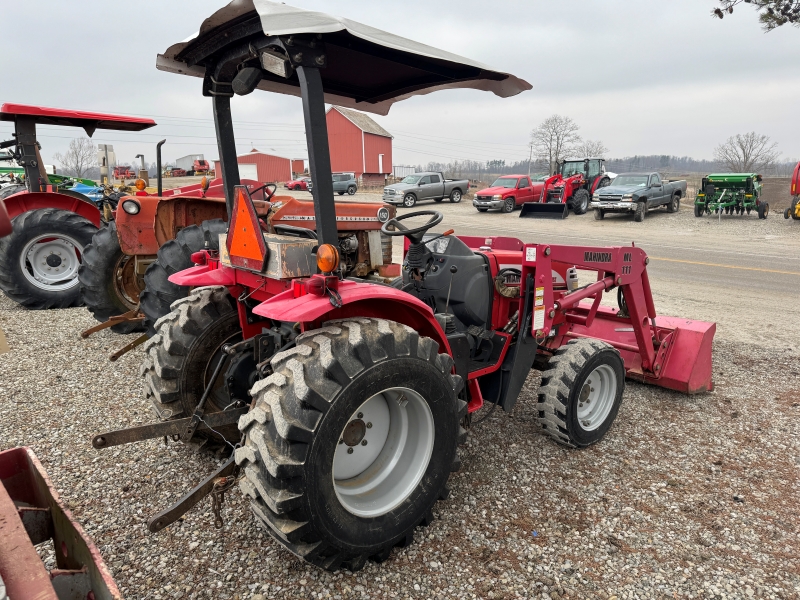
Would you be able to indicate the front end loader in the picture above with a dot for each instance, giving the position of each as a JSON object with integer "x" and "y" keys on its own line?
{"x": 340, "y": 403}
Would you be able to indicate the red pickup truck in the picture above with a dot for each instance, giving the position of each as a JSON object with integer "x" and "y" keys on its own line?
{"x": 508, "y": 192}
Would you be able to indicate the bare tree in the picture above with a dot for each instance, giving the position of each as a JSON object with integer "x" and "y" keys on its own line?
{"x": 555, "y": 139}
{"x": 771, "y": 13}
{"x": 590, "y": 149}
{"x": 79, "y": 158}
{"x": 747, "y": 153}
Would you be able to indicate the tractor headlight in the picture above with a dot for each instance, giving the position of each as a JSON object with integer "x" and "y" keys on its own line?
{"x": 498, "y": 197}
{"x": 627, "y": 196}
{"x": 131, "y": 207}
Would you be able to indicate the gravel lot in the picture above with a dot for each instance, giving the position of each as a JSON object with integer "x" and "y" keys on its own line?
{"x": 687, "y": 497}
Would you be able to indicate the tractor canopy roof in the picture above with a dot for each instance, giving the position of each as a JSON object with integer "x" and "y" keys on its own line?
{"x": 74, "y": 118}
{"x": 364, "y": 68}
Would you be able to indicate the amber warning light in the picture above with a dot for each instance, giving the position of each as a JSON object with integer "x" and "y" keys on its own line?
{"x": 245, "y": 243}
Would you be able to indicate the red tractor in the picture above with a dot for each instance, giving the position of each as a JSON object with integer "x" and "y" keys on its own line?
{"x": 341, "y": 402}
{"x": 793, "y": 211}
{"x": 124, "y": 172}
{"x": 571, "y": 186}
{"x": 201, "y": 167}
{"x": 39, "y": 261}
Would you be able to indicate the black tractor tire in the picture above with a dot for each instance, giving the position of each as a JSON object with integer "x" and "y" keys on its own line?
{"x": 455, "y": 196}
{"x": 159, "y": 293}
{"x": 567, "y": 384}
{"x": 181, "y": 357}
{"x": 482, "y": 209}
{"x": 793, "y": 209}
{"x": 763, "y": 210}
{"x": 351, "y": 190}
{"x": 580, "y": 202}
{"x": 509, "y": 204}
{"x": 599, "y": 214}
{"x": 699, "y": 209}
{"x": 42, "y": 223}
{"x": 104, "y": 273}
{"x": 640, "y": 212}
{"x": 674, "y": 204}
{"x": 9, "y": 190}
{"x": 298, "y": 422}
{"x": 409, "y": 200}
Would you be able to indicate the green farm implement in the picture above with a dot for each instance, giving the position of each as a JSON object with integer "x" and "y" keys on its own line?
{"x": 730, "y": 193}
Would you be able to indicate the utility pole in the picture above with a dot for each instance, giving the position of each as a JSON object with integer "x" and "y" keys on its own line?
{"x": 530, "y": 155}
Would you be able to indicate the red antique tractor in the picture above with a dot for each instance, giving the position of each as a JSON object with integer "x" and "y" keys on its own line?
{"x": 341, "y": 403}
{"x": 571, "y": 186}
{"x": 39, "y": 261}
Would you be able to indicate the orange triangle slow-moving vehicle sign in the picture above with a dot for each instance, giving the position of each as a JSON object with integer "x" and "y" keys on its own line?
{"x": 245, "y": 243}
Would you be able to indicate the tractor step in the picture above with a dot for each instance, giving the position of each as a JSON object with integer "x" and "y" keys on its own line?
{"x": 544, "y": 210}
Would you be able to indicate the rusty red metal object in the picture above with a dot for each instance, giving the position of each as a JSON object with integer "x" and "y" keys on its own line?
{"x": 31, "y": 513}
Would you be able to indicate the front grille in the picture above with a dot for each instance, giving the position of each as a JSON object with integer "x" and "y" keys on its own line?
{"x": 483, "y": 198}
{"x": 386, "y": 246}
{"x": 614, "y": 197}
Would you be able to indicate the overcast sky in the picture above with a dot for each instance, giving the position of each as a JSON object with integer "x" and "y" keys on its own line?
{"x": 643, "y": 76}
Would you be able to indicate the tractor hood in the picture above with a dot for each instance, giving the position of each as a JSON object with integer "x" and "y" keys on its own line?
{"x": 367, "y": 69}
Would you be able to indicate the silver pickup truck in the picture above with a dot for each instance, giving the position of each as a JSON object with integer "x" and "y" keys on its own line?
{"x": 425, "y": 186}
{"x": 637, "y": 193}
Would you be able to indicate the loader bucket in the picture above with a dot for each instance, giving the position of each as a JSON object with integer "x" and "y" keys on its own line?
{"x": 544, "y": 210}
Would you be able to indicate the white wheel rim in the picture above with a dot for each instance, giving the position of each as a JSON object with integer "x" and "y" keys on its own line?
{"x": 51, "y": 262}
{"x": 376, "y": 477}
{"x": 596, "y": 397}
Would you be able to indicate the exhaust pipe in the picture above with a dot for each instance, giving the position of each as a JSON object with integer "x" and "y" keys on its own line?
{"x": 158, "y": 164}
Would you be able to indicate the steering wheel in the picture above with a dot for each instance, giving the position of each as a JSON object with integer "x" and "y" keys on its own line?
{"x": 269, "y": 193}
{"x": 414, "y": 235}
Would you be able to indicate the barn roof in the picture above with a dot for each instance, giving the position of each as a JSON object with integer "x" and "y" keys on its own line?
{"x": 362, "y": 121}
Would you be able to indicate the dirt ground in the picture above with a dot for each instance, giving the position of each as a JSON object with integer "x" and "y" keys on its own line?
{"x": 686, "y": 497}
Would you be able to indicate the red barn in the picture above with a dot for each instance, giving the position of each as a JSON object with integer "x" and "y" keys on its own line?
{"x": 358, "y": 145}
{"x": 265, "y": 168}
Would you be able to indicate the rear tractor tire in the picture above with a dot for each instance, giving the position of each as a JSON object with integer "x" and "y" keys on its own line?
{"x": 793, "y": 209}
{"x": 109, "y": 283}
{"x": 159, "y": 293}
{"x": 182, "y": 355}
{"x": 641, "y": 212}
{"x": 39, "y": 260}
{"x": 581, "y": 392}
{"x": 351, "y": 441}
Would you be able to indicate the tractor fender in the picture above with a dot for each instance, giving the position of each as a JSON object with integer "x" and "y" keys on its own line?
{"x": 74, "y": 202}
{"x": 358, "y": 300}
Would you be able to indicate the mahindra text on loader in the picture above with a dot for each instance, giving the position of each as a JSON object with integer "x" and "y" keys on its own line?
{"x": 341, "y": 403}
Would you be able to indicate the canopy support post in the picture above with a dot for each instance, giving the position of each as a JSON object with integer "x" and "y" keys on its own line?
{"x": 319, "y": 158}
{"x": 35, "y": 174}
{"x": 226, "y": 144}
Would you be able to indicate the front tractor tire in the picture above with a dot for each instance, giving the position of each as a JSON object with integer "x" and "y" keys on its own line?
{"x": 581, "y": 392}
{"x": 180, "y": 360}
{"x": 109, "y": 283}
{"x": 39, "y": 260}
{"x": 351, "y": 441}
{"x": 580, "y": 202}
{"x": 174, "y": 256}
